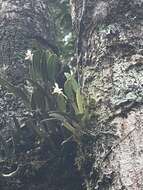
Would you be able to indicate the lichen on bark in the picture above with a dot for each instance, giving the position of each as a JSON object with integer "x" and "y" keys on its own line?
{"x": 112, "y": 57}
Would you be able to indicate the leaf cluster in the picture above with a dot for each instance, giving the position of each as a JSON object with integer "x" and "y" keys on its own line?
{"x": 41, "y": 94}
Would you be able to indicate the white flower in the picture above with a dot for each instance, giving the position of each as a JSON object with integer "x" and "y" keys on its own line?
{"x": 29, "y": 55}
{"x": 57, "y": 90}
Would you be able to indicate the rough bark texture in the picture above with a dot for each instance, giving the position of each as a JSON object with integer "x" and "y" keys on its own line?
{"x": 21, "y": 22}
{"x": 110, "y": 55}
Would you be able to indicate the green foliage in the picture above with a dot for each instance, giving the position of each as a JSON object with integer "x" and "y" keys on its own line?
{"x": 63, "y": 23}
{"x": 43, "y": 93}
{"x": 61, "y": 103}
{"x": 53, "y": 116}
{"x": 72, "y": 90}
{"x": 44, "y": 66}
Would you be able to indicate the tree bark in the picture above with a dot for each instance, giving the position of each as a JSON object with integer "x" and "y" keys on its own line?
{"x": 23, "y": 22}
{"x": 110, "y": 60}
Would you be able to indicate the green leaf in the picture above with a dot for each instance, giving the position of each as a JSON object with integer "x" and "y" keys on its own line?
{"x": 33, "y": 102}
{"x": 75, "y": 107}
{"x": 75, "y": 85}
{"x": 72, "y": 90}
{"x": 80, "y": 101}
{"x": 68, "y": 89}
{"x": 45, "y": 93}
{"x": 61, "y": 103}
{"x": 52, "y": 67}
{"x": 44, "y": 68}
{"x": 35, "y": 68}
{"x": 84, "y": 119}
{"x": 64, "y": 121}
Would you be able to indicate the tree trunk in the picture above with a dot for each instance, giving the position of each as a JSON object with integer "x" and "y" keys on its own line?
{"x": 22, "y": 22}
{"x": 110, "y": 62}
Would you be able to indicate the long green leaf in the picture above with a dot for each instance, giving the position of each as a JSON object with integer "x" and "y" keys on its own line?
{"x": 69, "y": 90}
{"x": 52, "y": 67}
{"x": 44, "y": 93}
{"x": 80, "y": 102}
{"x": 61, "y": 103}
{"x": 44, "y": 67}
{"x": 64, "y": 121}
{"x": 75, "y": 85}
{"x": 35, "y": 69}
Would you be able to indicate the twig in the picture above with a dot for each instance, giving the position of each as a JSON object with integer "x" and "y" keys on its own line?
{"x": 12, "y": 174}
{"x": 115, "y": 146}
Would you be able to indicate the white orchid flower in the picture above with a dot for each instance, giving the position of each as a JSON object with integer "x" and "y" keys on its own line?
{"x": 58, "y": 90}
{"x": 29, "y": 55}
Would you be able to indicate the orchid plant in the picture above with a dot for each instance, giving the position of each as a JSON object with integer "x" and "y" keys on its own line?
{"x": 67, "y": 105}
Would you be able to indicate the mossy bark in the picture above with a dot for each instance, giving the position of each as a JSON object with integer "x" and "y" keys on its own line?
{"x": 110, "y": 58}
{"x": 23, "y": 22}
